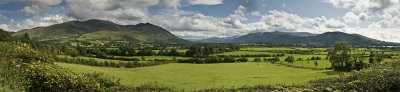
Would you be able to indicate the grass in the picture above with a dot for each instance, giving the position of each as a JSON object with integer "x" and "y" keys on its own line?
{"x": 200, "y": 76}
{"x": 155, "y": 57}
{"x": 97, "y": 59}
{"x": 148, "y": 58}
{"x": 179, "y": 50}
{"x": 265, "y": 48}
{"x": 244, "y": 53}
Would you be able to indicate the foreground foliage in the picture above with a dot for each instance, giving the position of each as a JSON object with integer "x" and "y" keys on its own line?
{"x": 378, "y": 78}
{"x": 23, "y": 68}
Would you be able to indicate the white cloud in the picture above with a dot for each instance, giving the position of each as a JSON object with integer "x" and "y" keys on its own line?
{"x": 341, "y": 3}
{"x": 4, "y": 27}
{"x": 36, "y": 22}
{"x": 129, "y": 10}
{"x": 351, "y": 17}
{"x": 206, "y": 2}
{"x": 175, "y": 4}
{"x": 292, "y": 22}
{"x": 38, "y": 6}
{"x": 47, "y": 20}
{"x": 196, "y": 25}
{"x": 384, "y": 15}
{"x": 255, "y": 13}
{"x": 384, "y": 10}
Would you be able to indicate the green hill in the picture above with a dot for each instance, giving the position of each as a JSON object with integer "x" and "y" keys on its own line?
{"x": 300, "y": 38}
{"x": 95, "y": 30}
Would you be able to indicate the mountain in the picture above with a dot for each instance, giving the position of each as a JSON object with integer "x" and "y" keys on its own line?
{"x": 300, "y": 38}
{"x": 216, "y": 40}
{"x": 102, "y": 30}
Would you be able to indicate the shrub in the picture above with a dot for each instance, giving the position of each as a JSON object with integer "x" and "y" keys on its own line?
{"x": 242, "y": 59}
{"x": 378, "y": 78}
{"x": 23, "y": 68}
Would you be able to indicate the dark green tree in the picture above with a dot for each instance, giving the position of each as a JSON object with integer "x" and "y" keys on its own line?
{"x": 4, "y": 35}
{"x": 242, "y": 59}
{"x": 340, "y": 57}
{"x": 290, "y": 59}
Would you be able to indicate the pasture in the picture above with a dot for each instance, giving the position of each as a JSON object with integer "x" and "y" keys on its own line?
{"x": 224, "y": 75}
{"x": 200, "y": 76}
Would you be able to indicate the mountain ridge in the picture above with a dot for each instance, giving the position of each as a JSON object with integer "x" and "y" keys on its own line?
{"x": 95, "y": 29}
{"x": 301, "y": 38}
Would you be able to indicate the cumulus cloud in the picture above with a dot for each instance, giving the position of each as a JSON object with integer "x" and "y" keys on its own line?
{"x": 206, "y": 2}
{"x": 201, "y": 26}
{"x": 255, "y": 13}
{"x": 38, "y": 6}
{"x": 47, "y": 20}
{"x": 385, "y": 16}
{"x": 132, "y": 10}
{"x": 36, "y": 22}
{"x": 194, "y": 25}
{"x": 341, "y": 3}
{"x": 283, "y": 20}
{"x": 384, "y": 10}
{"x": 351, "y": 17}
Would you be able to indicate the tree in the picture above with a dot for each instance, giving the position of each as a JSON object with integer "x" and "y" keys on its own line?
{"x": 129, "y": 64}
{"x": 174, "y": 52}
{"x": 229, "y": 60}
{"x": 174, "y": 59}
{"x": 340, "y": 57}
{"x": 265, "y": 59}
{"x": 211, "y": 59}
{"x": 26, "y": 38}
{"x": 4, "y": 35}
{"x": 242, "y": 59}
{"x": 194, "y": 51}
{"x": 316, "y": 63}
{"x": 257, "y": 59}
{"x": 290, "y": 59}
{"x": 143, "y": 59}
{"x": 146, "y": 52}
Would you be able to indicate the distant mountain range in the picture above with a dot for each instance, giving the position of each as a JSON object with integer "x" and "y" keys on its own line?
{"x": 102, "y": 30}
{"x": 324, "y": 39}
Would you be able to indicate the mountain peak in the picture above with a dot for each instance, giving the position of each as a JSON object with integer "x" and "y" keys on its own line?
{"x": 98, "y": 21}
{"x": 96, "y": 29}
{"x": 300, "y": 38}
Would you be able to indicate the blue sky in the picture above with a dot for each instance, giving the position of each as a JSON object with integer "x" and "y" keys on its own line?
{"x": 199, "y": 19}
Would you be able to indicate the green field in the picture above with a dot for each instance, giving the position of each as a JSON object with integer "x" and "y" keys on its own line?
{"x": 200, "y": 76}
{"x": 155, "y": 57}
{"x": 244, "y": 53}
{"x": 265, "y": 48}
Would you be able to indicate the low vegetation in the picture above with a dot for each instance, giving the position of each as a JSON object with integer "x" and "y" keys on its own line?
{"x": 28, "y": 65}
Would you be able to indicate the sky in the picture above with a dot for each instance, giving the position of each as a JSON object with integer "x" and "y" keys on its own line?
{"x": 200, "y": 19}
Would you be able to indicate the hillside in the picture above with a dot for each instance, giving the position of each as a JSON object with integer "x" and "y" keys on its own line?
{"x": 325, "y": 39}
{"x": 102, "y": 30}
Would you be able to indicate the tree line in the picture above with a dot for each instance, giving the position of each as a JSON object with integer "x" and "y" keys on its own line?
{"x": 119, "y": 64}
{"x": 255, "y": 55}
{"x": 130, "y": 50}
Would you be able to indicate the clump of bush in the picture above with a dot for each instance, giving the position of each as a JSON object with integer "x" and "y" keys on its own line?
{"x": 25, "y": 69}
{"x": 378, "y": 78}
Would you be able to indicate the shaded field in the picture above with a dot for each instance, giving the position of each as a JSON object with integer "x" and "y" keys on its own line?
{"x": 200, "y": 76}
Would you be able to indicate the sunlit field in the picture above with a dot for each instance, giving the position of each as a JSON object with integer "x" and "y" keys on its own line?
{"x": 200, "y": 76}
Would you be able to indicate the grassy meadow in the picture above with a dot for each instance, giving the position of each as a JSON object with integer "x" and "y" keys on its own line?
{"x": 223, "y": 75}
{"x": 201, "y": 76}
